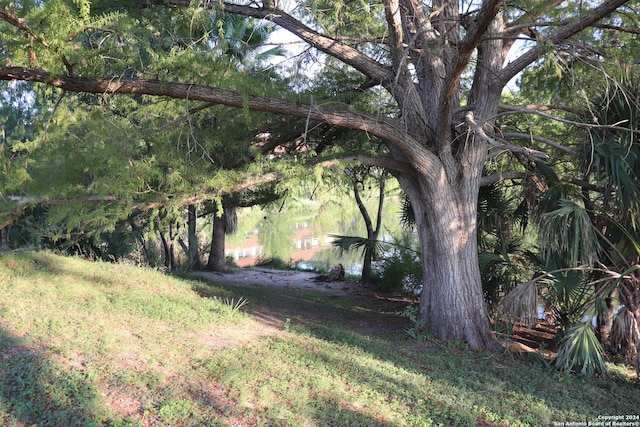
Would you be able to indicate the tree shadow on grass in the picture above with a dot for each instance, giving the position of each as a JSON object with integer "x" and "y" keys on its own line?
{"x": 35, "y": 390}
{"x": 370, "y": 313}
{"x": 459, "y": 386}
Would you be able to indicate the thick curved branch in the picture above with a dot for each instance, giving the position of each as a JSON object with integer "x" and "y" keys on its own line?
{"x": 384, "y": 130}
{"x": 468, "y": 45}
{"x": 385, "y": 163}
{"x": 201, "y": 93}
{"x": 568, "y": 30}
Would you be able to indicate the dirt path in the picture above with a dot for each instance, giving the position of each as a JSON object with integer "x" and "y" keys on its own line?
{"x": 303, "y": 280}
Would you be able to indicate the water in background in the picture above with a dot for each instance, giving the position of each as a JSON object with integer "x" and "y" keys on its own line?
{"x": 303, "y": 235}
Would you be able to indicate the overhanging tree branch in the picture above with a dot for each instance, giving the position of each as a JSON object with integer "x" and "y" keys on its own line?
{"x": 524, "y": 24}
{"x": 568, "y": 30}
{"x": 547, "y": 141}
{"x": 385, "y": 130}
{"x": 528, "y": 109}
{"x": 160, "y": 200}
{"x": 502, "y": 176}
{"x": 331, "y": 46}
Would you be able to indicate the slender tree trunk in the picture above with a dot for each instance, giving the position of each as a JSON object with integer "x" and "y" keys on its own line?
{"x": 217, "y": 259}
{"x": 194, "y": 253}
{"x": 172, "y": 251}
{"x": 166, "y": 250}
{"x": 372, "y": 233}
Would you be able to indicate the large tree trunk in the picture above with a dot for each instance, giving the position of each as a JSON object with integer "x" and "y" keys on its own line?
{"x": 445, "y": 201}
{"x": 452, "y": 303}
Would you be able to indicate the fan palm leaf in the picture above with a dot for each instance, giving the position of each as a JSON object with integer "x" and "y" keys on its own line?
{"x": 614, "y": 153}
{"x": 569, "y": 233}
{"x": 570, "y": 295}
{"x": 521, "y": 303}
{"x": 407, "y": 216}
{"x": 354, "y": 243}
{"x": 581, "y": 351}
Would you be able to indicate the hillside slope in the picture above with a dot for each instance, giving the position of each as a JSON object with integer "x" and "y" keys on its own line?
{"x": 85, "y": 343}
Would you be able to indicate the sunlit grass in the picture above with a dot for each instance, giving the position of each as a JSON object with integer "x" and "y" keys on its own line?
{"x": 100, "y": 344}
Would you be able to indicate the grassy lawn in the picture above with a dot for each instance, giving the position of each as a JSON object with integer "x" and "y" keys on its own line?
{"x": 93, "y": 344}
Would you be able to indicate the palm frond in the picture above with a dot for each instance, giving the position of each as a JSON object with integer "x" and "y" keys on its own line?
{"x": 570, "y": 296}
{"x": 354, "y": 243}
{"x": 521, "y": 303}
{"x": 569, "y": 233}
{"x": 625, "y": 333}
{"x": 407, "y": 216}
{"x": 614, "y": 153}
{"x": 581, "y": 350}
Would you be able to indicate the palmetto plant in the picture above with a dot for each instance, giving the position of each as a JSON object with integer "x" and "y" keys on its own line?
{"x": 590, "y": 245}
{"x": 231, "y": 307}
{"x": 568, "y": 231}
{"x": 504, "y": 259}
{"x": 354, "y": 243}
{"x": 581, "y": 350}
{"x": 614, "y": 154}
{"x": 569, "y": 297}
{"x": 244, "y": 38}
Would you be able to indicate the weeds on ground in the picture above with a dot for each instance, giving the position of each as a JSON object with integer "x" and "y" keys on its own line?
{"x": 232, "y": 306}
{"x": 418, "y": 330}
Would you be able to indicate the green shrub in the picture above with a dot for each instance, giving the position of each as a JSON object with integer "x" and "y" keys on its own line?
{"x": 400, "y": 269}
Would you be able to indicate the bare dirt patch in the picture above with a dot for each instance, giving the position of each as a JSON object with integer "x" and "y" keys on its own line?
{"x": 301, "y": 280}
